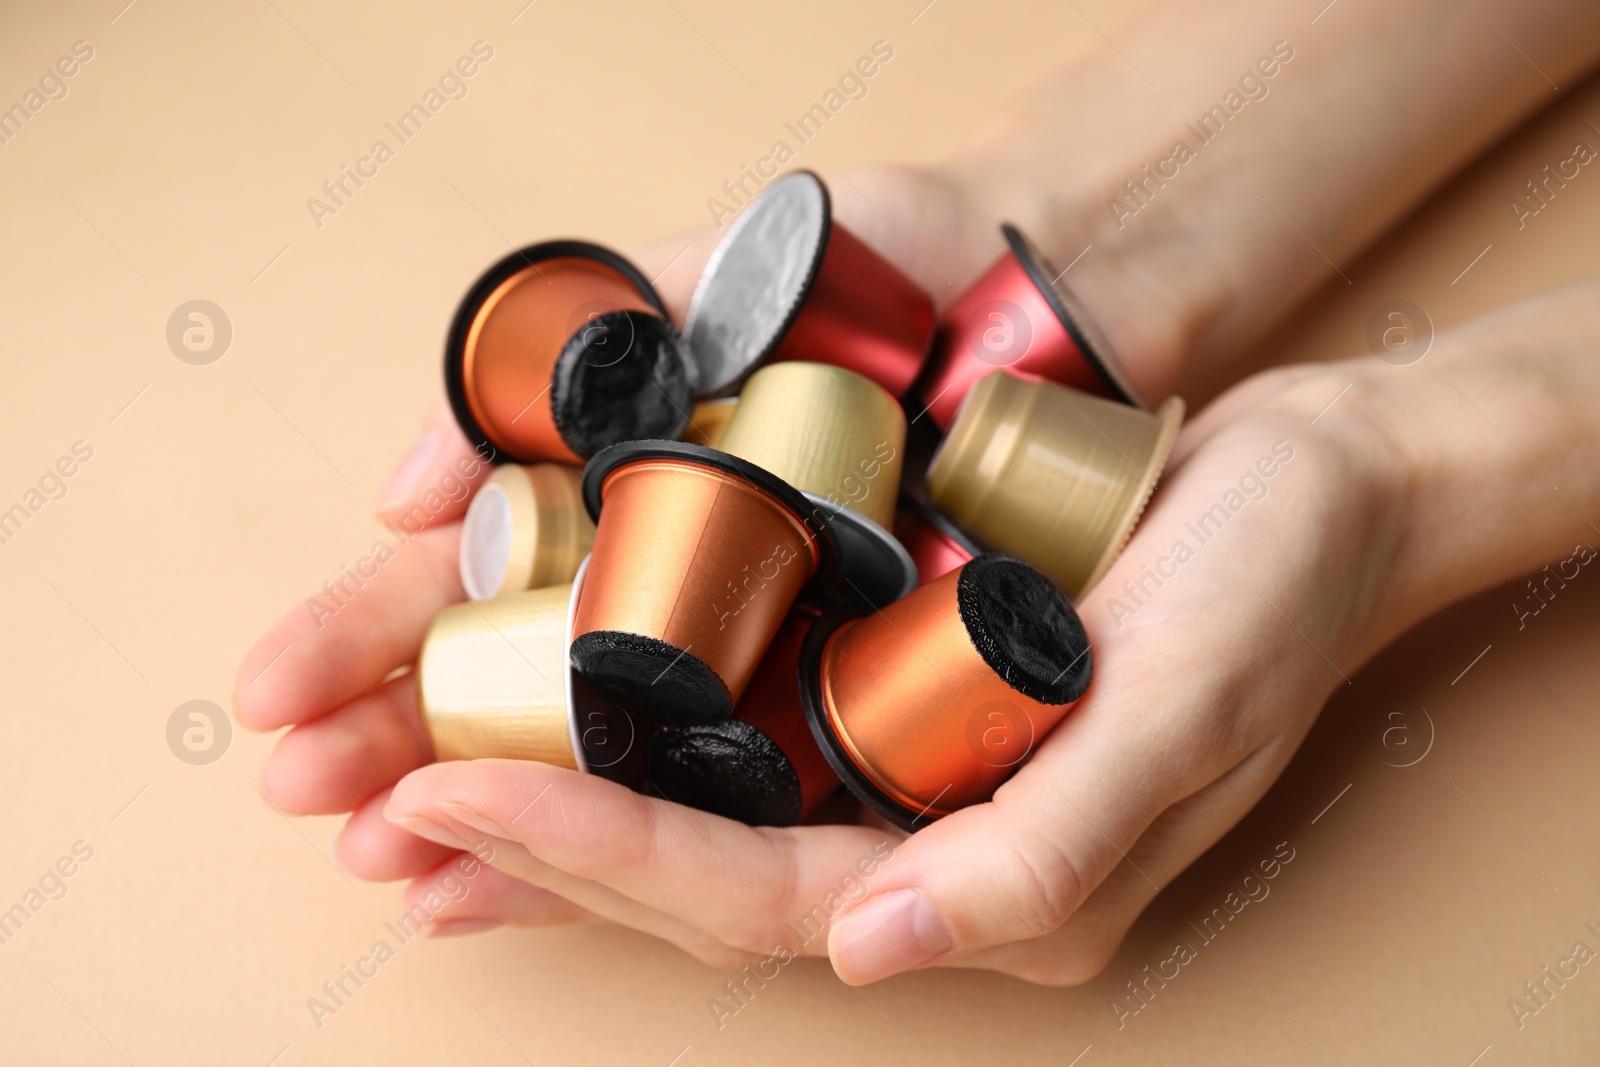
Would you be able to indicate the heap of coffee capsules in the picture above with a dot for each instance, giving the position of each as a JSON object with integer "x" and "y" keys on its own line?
{"x": 711, "y": 564}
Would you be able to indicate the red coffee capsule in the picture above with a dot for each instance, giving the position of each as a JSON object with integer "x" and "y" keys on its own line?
{"x": 1019, "y": 316}
{"x": 698, "y": 557}
{"x": 762, "y": 766}
{"x": 927, "y": 705}
{"x": 562, "y": 349}
{"x": 788, "y": 282}
{"x": 937, "y": 545}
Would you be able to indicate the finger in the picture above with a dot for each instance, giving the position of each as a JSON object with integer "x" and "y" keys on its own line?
{"x": 674, "y": 264}
{"x": 376, "y": 850}
{"x": 409, "y": 807}
{"x": 332, "y": 764}
{"x": 434, "y": 479}
{"x": 1018, "y": 867}
{"x": 464, "y": 896}
{"x": 748, "y": 887}
{"x": 343, "y": 641}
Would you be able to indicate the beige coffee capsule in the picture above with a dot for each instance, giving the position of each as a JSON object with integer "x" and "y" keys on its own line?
{"x": 492, "y": 680}
{"x": 1052, "y": 475}
{"x": 708, "y": 421}
{"x": 840, "y": 439}
{"x": 824, "y": 430}
{"x": 495, "y": 681}
{"x": 526, "y": 529}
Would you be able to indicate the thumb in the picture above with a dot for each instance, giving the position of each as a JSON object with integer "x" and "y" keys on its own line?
{"x": 1018, "y": 867}
{"x": 436, "y": 477}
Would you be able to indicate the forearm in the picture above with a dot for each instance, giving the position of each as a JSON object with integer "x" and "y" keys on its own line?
{"x": 1489, "y": 450}
{"x": 1194, "y": 252}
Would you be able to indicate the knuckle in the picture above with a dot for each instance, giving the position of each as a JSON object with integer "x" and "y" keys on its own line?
{"x": 754, "y": 929}
{"x": 1042, "y": 886}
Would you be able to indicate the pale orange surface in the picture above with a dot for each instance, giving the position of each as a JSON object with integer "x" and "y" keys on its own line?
{"x": 178, "y": 168}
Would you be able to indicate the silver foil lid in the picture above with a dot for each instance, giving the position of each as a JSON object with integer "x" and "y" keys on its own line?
{"x": 756, "y": 280}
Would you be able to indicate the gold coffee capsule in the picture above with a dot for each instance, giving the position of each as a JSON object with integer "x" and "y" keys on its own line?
{"x": 1052, "y": 475}
{"x": 526, "y": 529}
{"x": 494, "y": 682}
{"x": 709, "y": 420}
{"x": 492, "y": 679}
{"x": 840, "y": 439}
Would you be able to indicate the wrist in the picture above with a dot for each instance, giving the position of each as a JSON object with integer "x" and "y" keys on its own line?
{"x": 1479, "y": 455}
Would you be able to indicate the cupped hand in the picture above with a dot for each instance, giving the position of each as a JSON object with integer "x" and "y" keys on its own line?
{"x": 1245, "y": 597}
{"x": 329, "y": 675}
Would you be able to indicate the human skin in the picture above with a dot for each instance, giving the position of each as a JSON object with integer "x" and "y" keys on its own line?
{"x": 1395, "y": 497}
{"x": 1359, "y": 536}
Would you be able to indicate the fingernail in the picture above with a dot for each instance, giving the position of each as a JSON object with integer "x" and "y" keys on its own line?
{"x": 457, "y": 927}
{"x": 888, "y": 934}
{"x": 403, "y": 482}
{"x": 428, "y": 830}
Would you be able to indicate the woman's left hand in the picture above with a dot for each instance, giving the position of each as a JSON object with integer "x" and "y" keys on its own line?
{"x": 1211, "y": 661}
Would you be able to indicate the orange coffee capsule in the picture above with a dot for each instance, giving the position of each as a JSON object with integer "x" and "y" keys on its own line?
{"x": 762, "y": 766}
{"x": 561, "y": 349}
{"x": 927, "y": 705}
{"x": 698, "y": 557}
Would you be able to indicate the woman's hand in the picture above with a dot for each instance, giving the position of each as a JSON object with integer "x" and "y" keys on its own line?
{"x": 1204, "y": 686}
{"x": 1305, "y": 521}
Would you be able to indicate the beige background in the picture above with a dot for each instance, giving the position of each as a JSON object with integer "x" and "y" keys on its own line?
{"x": 178, "y": 168}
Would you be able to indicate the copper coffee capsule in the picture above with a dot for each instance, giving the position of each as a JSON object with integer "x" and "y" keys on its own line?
{"x": 840, "y": 440}
{"x": 525, "y": 529}
{"x": 928, "y": 705}
{"x": 937, "y": 545}
{"x": 562, "y": 349}
{"x": 494, "y": 681}
{"x": 698, "y": 557}
{"x": 788, "y": 282}
{"x": 1021, "y": 316}
{"x": 762, "y": 766}
{"x": 1055, "y": 476}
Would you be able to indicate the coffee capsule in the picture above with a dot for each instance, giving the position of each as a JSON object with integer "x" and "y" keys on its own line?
{"x": 698, "y": 556}
{"x": 926, "y": 706}
{"x": 762, "y": 766}
{"x": 1019, "y": 315}
{"x": 839, "y": 439}
{"x": 709, "y": 420}
{"x": 937, "y": 545}
{"x": 788, "y": 282}
{"x": 1052, "y": 475}
{"x": 526, "y": 529}
{"x": 562, "y": 349}
{"x": 494, "y": 682}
